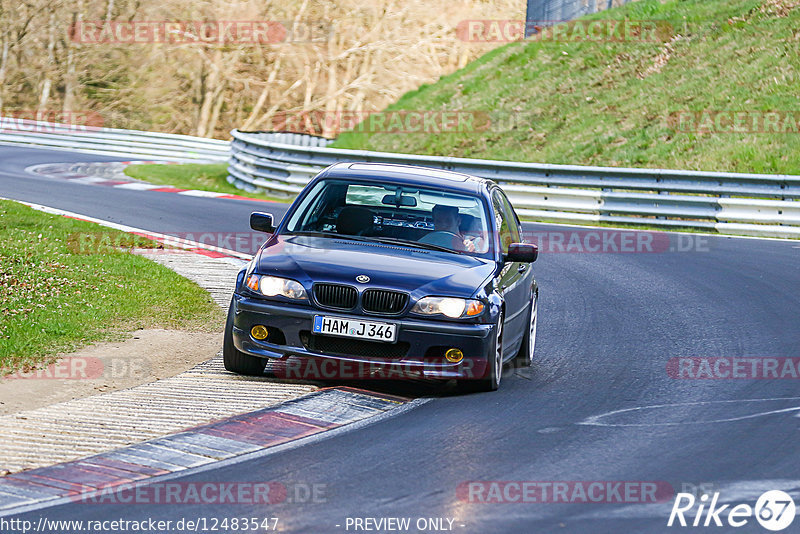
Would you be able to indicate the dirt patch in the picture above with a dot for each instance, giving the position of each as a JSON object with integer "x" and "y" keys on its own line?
{"x": 148, "y": 355}
{"x": 779, "y": 8}
{"x": 661, "y": 59}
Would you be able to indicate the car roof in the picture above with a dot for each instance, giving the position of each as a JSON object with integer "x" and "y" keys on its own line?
{"x": 408, "y": 175}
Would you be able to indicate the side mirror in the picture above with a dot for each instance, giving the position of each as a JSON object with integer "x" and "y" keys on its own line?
{"x": 262, "y": 222}
{"x": 522, "y": 252}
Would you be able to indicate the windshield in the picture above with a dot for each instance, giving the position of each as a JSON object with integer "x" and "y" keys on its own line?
{"x": 406, "y": 215}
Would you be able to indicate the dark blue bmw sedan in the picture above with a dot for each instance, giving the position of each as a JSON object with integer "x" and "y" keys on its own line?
{"x": 375, "y": 267}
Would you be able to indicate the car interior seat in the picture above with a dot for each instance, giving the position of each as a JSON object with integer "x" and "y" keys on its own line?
{"x": 354, "y": 220}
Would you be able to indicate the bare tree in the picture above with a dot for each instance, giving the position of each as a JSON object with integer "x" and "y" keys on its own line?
{"x": 337, "y": 56}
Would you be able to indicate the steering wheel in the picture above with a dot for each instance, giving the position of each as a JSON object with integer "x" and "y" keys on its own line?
{"x": 443, "y": 232}
{"x": 443, "y": 239}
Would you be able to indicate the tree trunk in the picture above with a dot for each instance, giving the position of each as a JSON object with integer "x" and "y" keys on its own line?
{"x": 3, "y": 70}
{"x": 262, "y": 98}
{"x": 331, "y": 118}
{"x": 44, "y": 96}
{"x": 209, "y": 95}
{"x": 218, "y": 102}
{"x": 71, "y": 78}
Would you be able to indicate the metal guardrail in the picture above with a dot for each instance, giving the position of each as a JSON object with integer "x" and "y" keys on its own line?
{"x": 112, "y": 141}
{"x": 732, "y": 203}
{"x": 282, "y": 163}
{"x": 549, "y": 12}
{"x": 248, "y": 170}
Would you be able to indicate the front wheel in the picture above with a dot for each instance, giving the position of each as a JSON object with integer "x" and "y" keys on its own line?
{"x": 235, "y": 360}
{"x": 494, "y": 361}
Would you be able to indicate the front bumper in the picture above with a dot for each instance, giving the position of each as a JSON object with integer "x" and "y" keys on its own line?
{"x": 426, "y": 341}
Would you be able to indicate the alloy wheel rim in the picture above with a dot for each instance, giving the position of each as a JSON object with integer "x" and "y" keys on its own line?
{"x": 532, "y": 333}
{"x": 498, "y": 352}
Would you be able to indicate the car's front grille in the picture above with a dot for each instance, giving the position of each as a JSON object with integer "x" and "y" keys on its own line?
{"x": 342, "y": 346}
{"x": 335, "y": 296}
{"x": 383, "y": 301}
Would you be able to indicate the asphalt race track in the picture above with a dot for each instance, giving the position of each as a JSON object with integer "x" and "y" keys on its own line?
{"x": 159, "y": 212}
{"x": 609, "y": 324}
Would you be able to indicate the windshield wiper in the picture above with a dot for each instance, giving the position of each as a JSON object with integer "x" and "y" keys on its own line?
{"x": 313, "y": 233}
{"x": 410, "y": 243}
{"x": 387, "y": 240}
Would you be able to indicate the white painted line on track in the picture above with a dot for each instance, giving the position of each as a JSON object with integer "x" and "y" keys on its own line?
{"x": 136, "y": 186}
{"x": 596, "y": 420}
{"x": 88, "y": 180}
{"x": 198, "y": 193}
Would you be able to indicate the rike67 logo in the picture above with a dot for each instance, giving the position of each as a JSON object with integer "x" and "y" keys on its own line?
{"x": 774, "y": 510}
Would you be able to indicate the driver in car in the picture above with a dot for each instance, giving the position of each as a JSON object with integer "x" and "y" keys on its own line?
{"x": 446, "y": 233}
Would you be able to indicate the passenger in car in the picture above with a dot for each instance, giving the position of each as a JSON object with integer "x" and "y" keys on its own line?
{"x": 473, "y": 233}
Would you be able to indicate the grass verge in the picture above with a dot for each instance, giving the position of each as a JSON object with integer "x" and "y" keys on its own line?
{"x": 200, "y": 176}
{"x": 614, "y": 103}
{"x": 57, "y": 297}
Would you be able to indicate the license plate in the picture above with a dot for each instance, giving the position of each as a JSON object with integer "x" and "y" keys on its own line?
{"x": 338, "y": 326}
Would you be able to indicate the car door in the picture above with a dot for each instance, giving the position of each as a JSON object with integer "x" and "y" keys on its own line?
{"x": 512, "y": 279}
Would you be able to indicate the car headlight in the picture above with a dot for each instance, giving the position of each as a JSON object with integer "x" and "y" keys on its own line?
{"x": 448, "y": 306}
{"x": 273, "y": 286}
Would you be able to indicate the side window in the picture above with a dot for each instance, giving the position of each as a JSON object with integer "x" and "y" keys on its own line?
{"x": 501, "y": 217}
{"x": 513, "y": 222}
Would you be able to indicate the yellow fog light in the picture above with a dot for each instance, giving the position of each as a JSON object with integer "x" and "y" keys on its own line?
{"x": 259, "y": 332}
{"x": 454, "y": 355}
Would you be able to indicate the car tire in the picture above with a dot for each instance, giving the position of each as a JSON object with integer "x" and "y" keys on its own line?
{"x": 524, "y": 357}
{"x": 235, "y": 360}
{"x": 491, "y": 380}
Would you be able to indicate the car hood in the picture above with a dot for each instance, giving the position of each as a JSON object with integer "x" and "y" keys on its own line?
{"x": 417, "y": 271}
